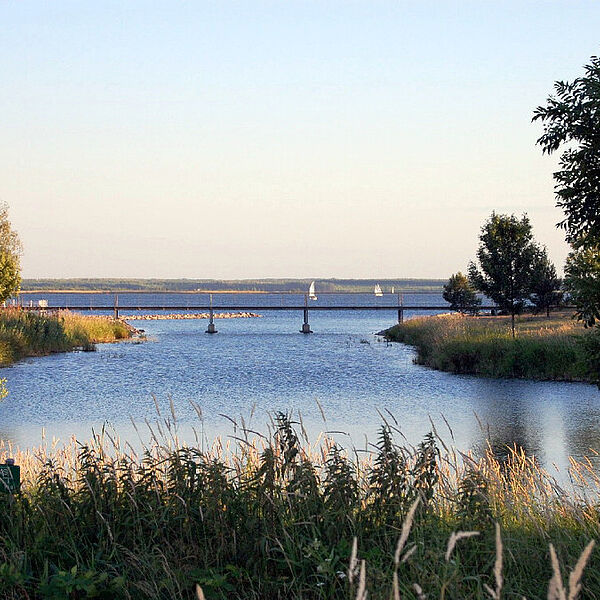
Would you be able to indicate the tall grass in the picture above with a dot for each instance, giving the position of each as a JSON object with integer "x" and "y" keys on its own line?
{"x": 24, "y": 333}
{"x": 278, "y": 517}
{"x": 557, "y": 348}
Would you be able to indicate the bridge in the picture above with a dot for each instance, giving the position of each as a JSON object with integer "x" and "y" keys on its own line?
{"x": 306, "y": 308}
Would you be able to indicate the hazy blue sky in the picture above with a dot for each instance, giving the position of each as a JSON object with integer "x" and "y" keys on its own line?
{"x": 245, "y": 139}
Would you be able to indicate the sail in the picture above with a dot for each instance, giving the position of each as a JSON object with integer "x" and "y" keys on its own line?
{"x": 392, "y": 291}
{"x": 377, "y": 291}
{"x": 311, "y": 291}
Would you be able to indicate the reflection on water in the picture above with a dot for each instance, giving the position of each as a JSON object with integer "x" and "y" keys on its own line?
{"x": 266, "y": 363}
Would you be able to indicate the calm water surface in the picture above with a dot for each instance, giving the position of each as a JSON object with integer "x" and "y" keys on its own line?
{"x": 257, "y": 366}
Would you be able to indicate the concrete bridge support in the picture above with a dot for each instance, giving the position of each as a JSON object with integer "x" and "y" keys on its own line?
{"x": 211, "y": 319}
{"x": 305, "y": 325}
{"x": 400, "y": 308}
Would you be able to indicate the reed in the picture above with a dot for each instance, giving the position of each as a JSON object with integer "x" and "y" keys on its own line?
{"x": 24, "y": 333}
{"x": 558, "y": 348}
{"x": 278, "y": 517}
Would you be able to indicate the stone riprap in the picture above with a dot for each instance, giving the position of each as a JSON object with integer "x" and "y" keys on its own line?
{"x": 168, "y": 316}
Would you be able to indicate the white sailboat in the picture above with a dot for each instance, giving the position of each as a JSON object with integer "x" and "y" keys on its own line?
{"x": 311, "y": 291}
{"x": 392, "y": 290}
{"x": 377, "y": 291}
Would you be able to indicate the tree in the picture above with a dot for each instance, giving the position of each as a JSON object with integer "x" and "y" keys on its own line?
{"x": 571, "y": 120}
{"x": 545, "y": 284}
{"x": 460, "y": 294}
{"x": 582, "y": 282}
{"x": 10, "y": 254}
{"x": 506, "y": 256}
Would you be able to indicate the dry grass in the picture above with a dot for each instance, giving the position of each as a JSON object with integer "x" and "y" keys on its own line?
{"x": 24, "y": 333}
{"x": 556, "y": 348}
{"x": 276, "y": 518}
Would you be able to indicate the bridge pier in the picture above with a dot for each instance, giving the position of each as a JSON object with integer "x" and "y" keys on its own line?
{"x": 116, "y": 306}
{"x": 305, "y": 325}
{"x": 400, "y": 308}
{"x": 211, "y": 319}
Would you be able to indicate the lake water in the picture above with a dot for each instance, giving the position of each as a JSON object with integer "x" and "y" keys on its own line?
{"x": 254, "y": 367}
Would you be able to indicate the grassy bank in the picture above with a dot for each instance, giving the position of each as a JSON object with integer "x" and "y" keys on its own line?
{"x": 277, "y": 518}
{"x": 556, "y": 348}
{"x": 24, "y": 333}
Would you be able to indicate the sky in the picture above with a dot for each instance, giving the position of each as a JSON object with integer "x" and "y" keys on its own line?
{"x": 278, "y": 139}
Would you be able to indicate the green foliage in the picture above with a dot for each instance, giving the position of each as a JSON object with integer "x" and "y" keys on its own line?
{"x": 544, "y": 349}
{"x": 582, "y": 281}
{"x": 389, "y": 478}
{"x": 545, "y": 285}
{"x": 24, "y": 333}
{"x": 273, "y": 519}
{"x": 506, "y": 256}
{"x": 10, "y": 276}
{"x": 87, "y": 584}
{"x": 460, "y": 294}
{"x": 571, "y": 120}
{"x": 591, "y": 348}
{"x": 474, "y": 510}
{"x": 10, "y": 253}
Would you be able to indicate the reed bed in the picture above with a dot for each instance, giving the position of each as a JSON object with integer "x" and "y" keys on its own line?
{"x": 24, "y": 333}
{"x": 278, "y": 517}
{"x": 557, "y": 348}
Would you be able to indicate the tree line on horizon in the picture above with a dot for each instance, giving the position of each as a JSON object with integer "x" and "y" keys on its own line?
{"x": 252, "y": 285}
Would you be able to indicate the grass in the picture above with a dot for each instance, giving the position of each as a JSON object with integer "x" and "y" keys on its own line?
{"x": 279, "y": 517}
{"x": 556, "y": 348}
{"x": 24, "y": 333}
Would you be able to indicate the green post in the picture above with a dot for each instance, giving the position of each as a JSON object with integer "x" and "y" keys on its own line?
{"x": 10, "y": 477}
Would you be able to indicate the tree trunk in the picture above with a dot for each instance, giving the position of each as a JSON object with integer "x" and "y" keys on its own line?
{"x": 512, "y": 319}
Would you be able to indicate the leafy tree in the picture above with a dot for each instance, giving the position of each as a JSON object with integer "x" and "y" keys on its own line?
{"x": 460, "y": 294}
{"x": 10, "y": 254}
{"x": 506, "y": 257}
{"x": 571, "y": 120}
{"x": 545, "y": 284}
{"x": 582, "y": 281}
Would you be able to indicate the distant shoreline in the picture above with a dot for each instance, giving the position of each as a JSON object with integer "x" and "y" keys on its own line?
{"x": 100, "y": 291}
{"x": 227, "y": 286}
{"x": 296, "y": 292}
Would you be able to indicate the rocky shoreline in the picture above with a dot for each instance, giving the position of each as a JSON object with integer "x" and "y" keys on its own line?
{"x": 181, "y": 316}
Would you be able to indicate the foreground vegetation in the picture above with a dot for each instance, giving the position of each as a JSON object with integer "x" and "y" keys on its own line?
{"x": 555, "y": 348}
{"x": 280, "y": 518}
{"x": 24, "y": 333}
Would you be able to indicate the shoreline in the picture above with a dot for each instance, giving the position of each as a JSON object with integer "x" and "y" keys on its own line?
{"x": 27, "y": 335}
{"x": 545, "y": 349}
